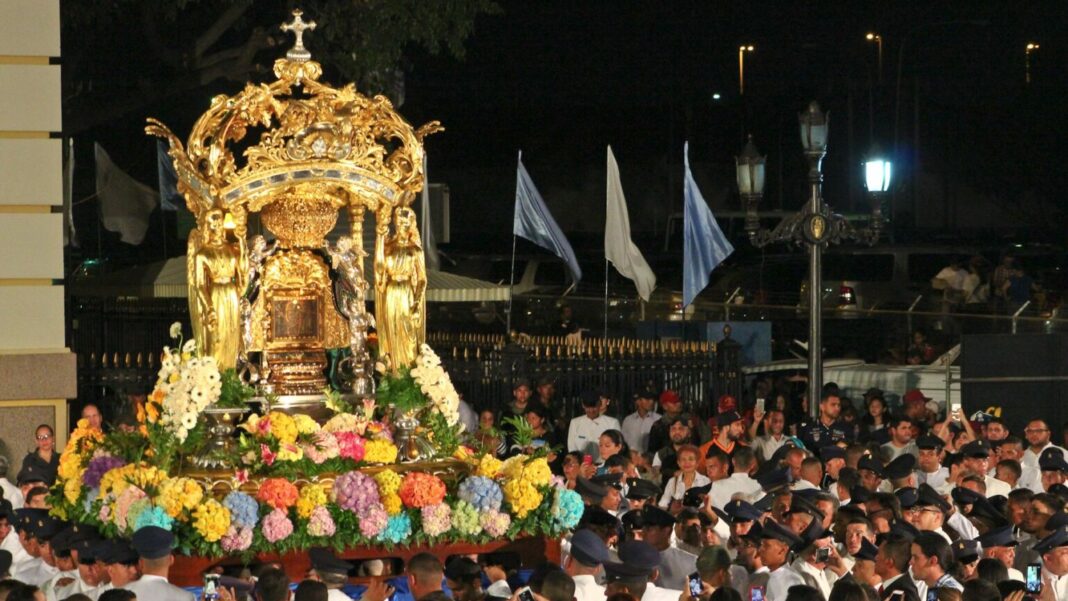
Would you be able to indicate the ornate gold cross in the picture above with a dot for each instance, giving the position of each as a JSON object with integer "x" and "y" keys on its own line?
{"x": 298, "y": 53}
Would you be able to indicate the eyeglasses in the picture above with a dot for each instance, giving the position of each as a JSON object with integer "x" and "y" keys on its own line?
{"x": 44, "y": 436}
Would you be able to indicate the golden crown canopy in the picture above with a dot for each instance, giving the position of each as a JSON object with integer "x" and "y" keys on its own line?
{"x": 331, "y": 144}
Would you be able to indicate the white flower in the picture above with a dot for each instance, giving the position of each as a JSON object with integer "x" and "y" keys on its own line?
{"x": 176, "y": 330}
{"x": 190, "y": 346}
{"x": 189, "y": 421}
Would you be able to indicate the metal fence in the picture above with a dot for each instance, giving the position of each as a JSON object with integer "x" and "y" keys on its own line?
{"x": 485, "y": 368}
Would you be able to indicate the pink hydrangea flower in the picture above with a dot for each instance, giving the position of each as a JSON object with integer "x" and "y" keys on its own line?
{"x": 276, "y": 526}
{"x": 320, "y": 523}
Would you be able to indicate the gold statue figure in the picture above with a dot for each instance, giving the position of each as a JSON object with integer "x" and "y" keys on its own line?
{"x": 215, "y": 282}
{"x": 400, "y": 284}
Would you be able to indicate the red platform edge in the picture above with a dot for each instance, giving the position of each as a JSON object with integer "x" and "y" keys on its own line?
{"x": 532, "y": 551}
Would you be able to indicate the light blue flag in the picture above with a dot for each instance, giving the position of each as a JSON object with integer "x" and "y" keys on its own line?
{"x": 704, "y": 245}
{"x": 534, "y": 222}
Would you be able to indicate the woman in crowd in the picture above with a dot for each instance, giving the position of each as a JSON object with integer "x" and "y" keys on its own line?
{"x": 685, "y": 478}
{"x": 610, "y": 443}
{"x": 43, "y": 461}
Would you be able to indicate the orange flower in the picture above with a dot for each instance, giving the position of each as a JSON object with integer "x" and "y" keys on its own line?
{"x": 278, "y": 493}
{"x": 419, "y": 489}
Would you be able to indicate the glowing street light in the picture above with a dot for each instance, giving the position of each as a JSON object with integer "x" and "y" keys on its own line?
{"x": 1031, "y": 47}
{"x": 878, "y": 39}
{"x": 741, "y": 66}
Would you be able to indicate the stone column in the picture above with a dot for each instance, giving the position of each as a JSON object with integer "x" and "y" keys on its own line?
{"x": 37, "y": 370}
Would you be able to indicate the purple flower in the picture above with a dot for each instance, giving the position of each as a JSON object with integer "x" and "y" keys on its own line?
{"x": 356, "y": 491}
{"x": 99, "y": 466}
{"x": 321, "y": 523}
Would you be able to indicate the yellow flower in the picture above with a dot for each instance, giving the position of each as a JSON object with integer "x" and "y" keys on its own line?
{"x": 177, "y": 495}
{"x": 305, "y": 424}
{"x": 462, "y": 453}
{"x": 311, "y": 496}
{"x": 211, "y": 520}
{"x": 252, "y": 424}
{"x": 512, "y": 467}
{"x": 388, "y": 483}
{"x": 119, "y": 479}
{"x": 283, "y": 427}
{"x": 72, "y": 488}
{"x": 489, "y": 466}
{"x": 392, "y": 503}
{"x": 537, "y": 472}
{"x": 522, "y": 496}
{"x": 70, "y": 465}
{"x": 288, "y": 451}
{"x": 380, "y": 451}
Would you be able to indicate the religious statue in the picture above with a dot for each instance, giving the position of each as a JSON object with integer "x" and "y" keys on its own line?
{"x": 215, "y": 281}
{"x": 346, "y": 258}
{"x": 400, "y": 286}
{"x": 258, "y": 251}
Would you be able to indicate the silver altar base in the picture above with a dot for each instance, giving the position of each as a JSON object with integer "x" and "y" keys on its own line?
{"x": 312, "y": 405}
{"x": 217, "y": 452}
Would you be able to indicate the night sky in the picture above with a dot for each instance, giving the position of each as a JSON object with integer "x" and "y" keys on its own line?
{"x": 560, "y": 80}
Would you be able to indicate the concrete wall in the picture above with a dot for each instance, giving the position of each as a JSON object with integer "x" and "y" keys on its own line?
{"x": 37, "y": 371}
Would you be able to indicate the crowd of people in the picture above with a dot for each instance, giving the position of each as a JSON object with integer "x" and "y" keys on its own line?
{"x": 761, "y": 503}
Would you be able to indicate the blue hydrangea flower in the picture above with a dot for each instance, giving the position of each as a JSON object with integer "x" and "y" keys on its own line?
{"x": 154, "y": 516}
{"x": 481, "y": 492}
{"x": 244, "y": 510}
{"x": 397, "y": 530}
{"x": 567, "y": 508}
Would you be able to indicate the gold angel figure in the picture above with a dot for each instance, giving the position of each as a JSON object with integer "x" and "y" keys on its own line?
{"x": 215, "y": 285}
{"x": 400, "y": 289}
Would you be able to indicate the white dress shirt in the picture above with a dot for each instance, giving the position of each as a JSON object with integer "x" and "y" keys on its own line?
{"x": 1030, "y": 458}
{"x": 35, "y": 572}
{"x": 587, "y": 589}
{"x": 11, "y": 493}
{"x": 725, "y": 489}
{"x": 936, "y": 479}
{"x": 765, "y": 446}
{"x": 583, "y": 435}
{"x": 336, "y": 594}
{"x": 996, "y": 487}
{"x": 11, "y": 544}
{"x": 964, "y": 527}
{"x": 780, "y": 581}
{"x": 814, "y": 576}
{"x": 1059, "y": 584}
{"x": 156, "y": 588}
{"x": 676, "y": 488}
{"x": 656, "y": 593}
{"x": 636, "y": 430}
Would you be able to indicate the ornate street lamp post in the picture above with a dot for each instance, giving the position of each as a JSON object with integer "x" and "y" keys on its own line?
{"x": 814, "y": 225}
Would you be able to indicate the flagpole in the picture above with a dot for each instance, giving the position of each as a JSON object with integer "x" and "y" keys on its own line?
{"x": 511, "y": 284}
{"x": 606, "y": 298}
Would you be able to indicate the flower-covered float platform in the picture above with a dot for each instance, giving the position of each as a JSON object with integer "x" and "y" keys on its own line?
{"x": 297, "y": 483}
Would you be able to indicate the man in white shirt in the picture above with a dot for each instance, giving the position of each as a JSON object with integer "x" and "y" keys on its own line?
{"x": 588, "y": 554}
{"x": 1000, "y": 544}
{"x": 585, "y": 431}
{"x": 1011, "y": 448}
{"x": 724, "y": 488}
{"x": 637, "y": 425}
{"x": 67, "y": 577}
{"x": 1054, "y": 552}
{"x": 154, "y": 544}
{"x": 774, "y": 434}
{"x": 977, "y": 459}
{"x": 9, "y": 491}
{"x": 929, "y": 461}
{"x": 35, "y": 528}
{"x": 901, "y": 442}
{"x": 636, "y": 571}
{"x": 331, "y": 571}
{"x": 775, "y": 544}
{"x": 1037, "y": 434}
{"x": 9, "y": 538}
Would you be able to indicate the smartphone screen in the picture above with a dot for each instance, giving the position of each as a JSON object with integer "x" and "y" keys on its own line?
{"x": 695, "y": 584}
{"x": 211, "y": 587}
{"x": 756, "y": 593}
{"x": 954, "y": 410}
{"x": 759, "y": 406}
{"x": 932, "y": 594}
{"x": 1034, "y": 578}
{"x": 526, "y": 595}
{"x": 823, "y": 554}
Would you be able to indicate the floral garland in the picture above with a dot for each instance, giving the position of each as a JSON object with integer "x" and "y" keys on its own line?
{"x": 186, "y": 385}
{"x": 357, "y": 509}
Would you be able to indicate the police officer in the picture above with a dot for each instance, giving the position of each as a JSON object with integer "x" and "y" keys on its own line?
{"x": 828, "y": 429}
{"x": 331, "y": 571}
{"x": 153, "y": 544}
{"x": 675, "y": 564}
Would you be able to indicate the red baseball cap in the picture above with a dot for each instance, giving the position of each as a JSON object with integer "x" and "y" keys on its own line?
{"x": 914, "y": 396}
{"x": 669, "y": 397}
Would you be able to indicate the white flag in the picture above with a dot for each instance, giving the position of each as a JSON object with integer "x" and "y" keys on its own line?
{"x": 125, "y": 203}
{"x": 430, "y": 246}
{"x": 618, "y": 247}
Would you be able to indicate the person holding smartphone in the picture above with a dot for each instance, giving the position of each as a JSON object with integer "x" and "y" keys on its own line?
{"x": 1054, "y": 552}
